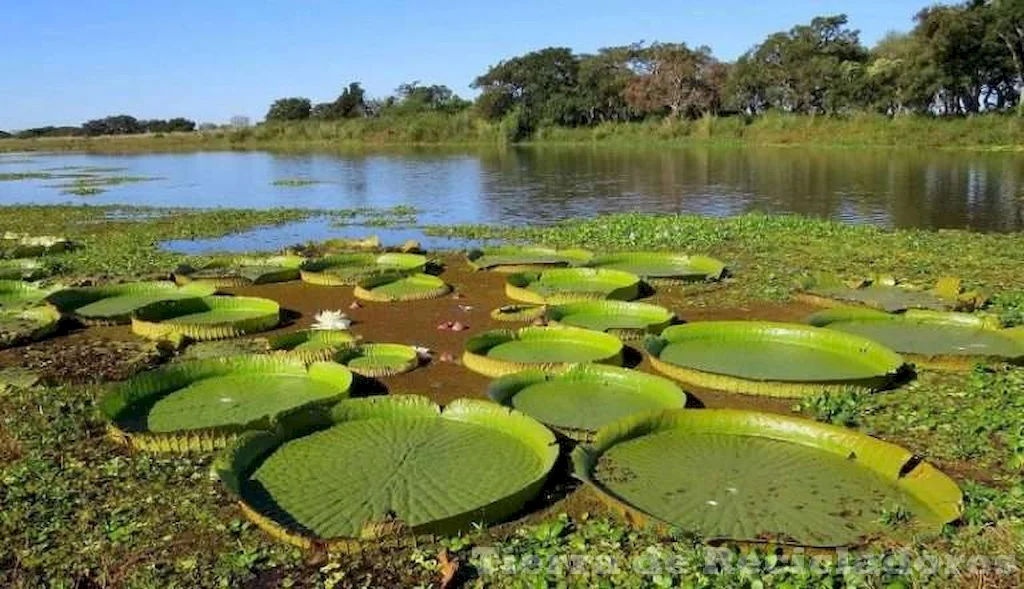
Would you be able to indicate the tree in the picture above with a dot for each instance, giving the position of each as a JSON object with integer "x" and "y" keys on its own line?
{"x": 413, "y": 97}
{"x": 902, "y": 77}
{"x": 239, "y": 122}
{"x": 603, "y": 78}
{"x": 672, "y": 78}
{"x": 114, "y": 125}
{"x": 1009, "y": 26}
{"x": 349, "y": 104}
{"x": 542, "y": 86}
{"x": 289, "y": 109}
{"x": 815, "y": 68}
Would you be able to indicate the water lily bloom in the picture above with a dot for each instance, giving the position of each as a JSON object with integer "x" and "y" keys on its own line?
{"x": 331, "y": 321}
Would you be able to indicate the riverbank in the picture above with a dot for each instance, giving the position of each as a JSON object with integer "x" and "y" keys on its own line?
{"x": 985, "y": 132}
{"x": 79, "y": 510}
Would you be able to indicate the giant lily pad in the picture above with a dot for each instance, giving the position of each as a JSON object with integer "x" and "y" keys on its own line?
{"x": 208, "y": 318}
{"x": 518, "y": 313}
{"x": 204, "y": 404}
{"x": 578, "y": 401}
{"x": 15, "y": 294}
{"x": 626, "y": 320}
{"x": 313, "y": 345}
{"x": 773, "y": 359}
{"x": 20, "y": 325}
{"x": 399, "y": 286}
{"x": 563, "y": 285}
{"x": 501, "y": 351}
{"x": 881, "y": 293}
{"x": 350, "y": 269}
{"x": 663, "y": 266}
{"x": 382, "y": 470}
{"x": 525, "y": 259}
{"x": 242, "y": 271}
{"x": 376, "y": 360}
{"x": 756, "y": 477}
{"x": 115, "y": 303}
{"x": 933, "y": 339}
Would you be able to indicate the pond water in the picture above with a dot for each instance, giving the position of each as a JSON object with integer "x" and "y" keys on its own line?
{"x": 530, "y": 185}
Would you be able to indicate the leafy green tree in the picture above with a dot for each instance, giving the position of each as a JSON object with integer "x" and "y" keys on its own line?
{"x": 351, "y": 103}
{"x": 114, "y": 125}
{"x": 902, "y": 76}
{"x": 814, "y": 68}
{"x": 289, "y": 109}
{"x": 413, "y": 97}
{"x": 1008, "y": 20}
{"x": 603, "y": 79}
{"x": 541, "y": 86}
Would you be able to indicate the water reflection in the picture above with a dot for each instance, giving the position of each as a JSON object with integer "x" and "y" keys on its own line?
{"x": 526, "y": 185}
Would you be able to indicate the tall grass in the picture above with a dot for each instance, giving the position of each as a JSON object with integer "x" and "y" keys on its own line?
{"x": 860, "y": 130}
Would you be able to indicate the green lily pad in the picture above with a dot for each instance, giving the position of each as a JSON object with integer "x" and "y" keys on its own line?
{"x": 115, "y": 303}
{"x": 624, "y": 319}
{"x": 313, "y": 345}
{"x": 383, "y": 470}
{"x": 884, "y": 294}
{"x": 775, "y": 359}
{"x": 933, "y": 339}
{"x": 563, "y": 285}
{"x": 584, "y": 398}
{"x": 516, "y": 313}
{"x": 398, "y": 286}
{"x": 20, "y": 325}
{"x": 15, "y": 294}
{"x": 207, "y": 318}
{"x": 375, "y": 360}
{"x": 524, "y": 259}
{"x": 500, "y": 352}
{"x": 756, "y": 477}
{"x": 663, "y": 266}
{"x": 19, "y": 245}
{"x": 22, "y": 269}
{"x": 242, "y": 271}
{"x": 350, "y": 269}
{"x": 204, "y": 404}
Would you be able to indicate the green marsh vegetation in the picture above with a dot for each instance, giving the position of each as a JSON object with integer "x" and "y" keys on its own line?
{"x": 79, "y": 510}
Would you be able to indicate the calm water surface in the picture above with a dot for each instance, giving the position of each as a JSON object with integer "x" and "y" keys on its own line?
{"x": 890, "y": 188}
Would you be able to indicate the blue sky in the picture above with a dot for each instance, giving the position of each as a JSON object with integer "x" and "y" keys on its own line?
{"x": 63, "y": 62}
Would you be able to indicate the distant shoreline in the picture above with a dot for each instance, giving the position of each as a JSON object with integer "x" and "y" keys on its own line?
{"x": 984, "y": 132}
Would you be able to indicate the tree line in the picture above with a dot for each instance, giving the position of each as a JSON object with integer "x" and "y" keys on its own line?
{"x": 958, "y": 59}
{"x": 112, "y": 125}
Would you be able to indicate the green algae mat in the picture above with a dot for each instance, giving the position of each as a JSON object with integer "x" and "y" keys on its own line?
{"x": 663, "y": 266}
{"x": 26, "y": 324}
{"x": 242, "y": 271}
{"x": 499, "y": 352}
{"x": 375, "y": 360}
{"x": 934, "y": 339}
{"x": 115, "y": 303}
{"x": 624, "y": 319}
{"x": 563, "y": 285}
{"x": 206, "y": 318}
{"x": 203, "y": 404}
{"x": 387, "y": 469}
{"x": 349, "y": 269}
{"x": 524, "y": 259}
{"x": 772, "y": 359}
{"x": 582, "y": 399}
{"x": 756, "y": 477}
{"x": 15, "y": 294}
{"x": 312, "y": 345}
{"x": 399, "y": 286}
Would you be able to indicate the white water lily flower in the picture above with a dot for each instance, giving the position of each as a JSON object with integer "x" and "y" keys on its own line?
{"x": 423, "y": 353}
{"x": 331, "y": 321}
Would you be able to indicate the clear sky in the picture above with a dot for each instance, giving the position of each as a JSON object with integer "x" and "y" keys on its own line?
{"x": 67, "y": 61}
